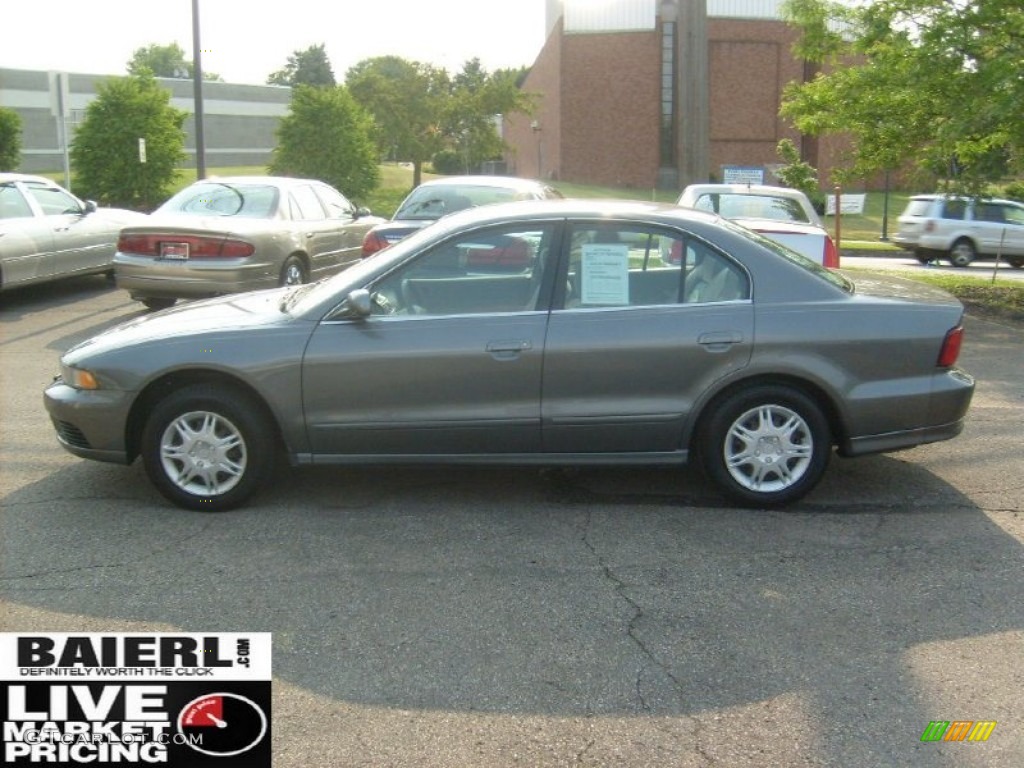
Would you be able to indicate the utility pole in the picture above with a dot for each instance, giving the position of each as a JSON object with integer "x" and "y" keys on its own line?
{"x": 694, "y": 136}
{"x": 197, "y": 93}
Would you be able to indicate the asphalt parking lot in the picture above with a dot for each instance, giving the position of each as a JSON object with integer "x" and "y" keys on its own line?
{"x": 507, "y": 617}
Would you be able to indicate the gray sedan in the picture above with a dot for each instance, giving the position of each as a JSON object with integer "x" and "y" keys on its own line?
{"x": 47, "y": 233}
{"x": 550, "y": 332}
{"x": 234, "y": 234}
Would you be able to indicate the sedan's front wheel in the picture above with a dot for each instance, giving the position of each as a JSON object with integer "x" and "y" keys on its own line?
{"x": 766, "y": 445}
{"x": 207, "y": 449}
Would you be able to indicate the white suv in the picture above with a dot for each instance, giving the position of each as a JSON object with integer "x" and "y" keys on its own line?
{"x": 962, "y": 229}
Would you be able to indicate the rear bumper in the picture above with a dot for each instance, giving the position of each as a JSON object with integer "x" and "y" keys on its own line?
{"x": 144, "y": 277}
{"x": 948, "y": 402}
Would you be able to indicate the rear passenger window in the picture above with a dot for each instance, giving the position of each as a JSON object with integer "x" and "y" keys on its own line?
{"x": 991, "y": 212}
{"x": 954, "y": 209}
{"x": 618, "y": 266}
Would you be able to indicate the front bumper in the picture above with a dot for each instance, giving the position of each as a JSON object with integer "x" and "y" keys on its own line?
{"x": 91, "y": 424}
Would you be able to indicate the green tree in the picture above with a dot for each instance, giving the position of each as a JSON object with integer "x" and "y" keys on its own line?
{"x": 306, "y": 67}
{"x": 477, "y": 99}
{"x": 10, "y": 139}
{"x": 929, "y": 82}
{"x": 105, "y": 149}
{"x": 795, "y": 173}
{"x": 408, "y": 102}
{"x": 165, "y": 61}
{"x": 326, "y": 135}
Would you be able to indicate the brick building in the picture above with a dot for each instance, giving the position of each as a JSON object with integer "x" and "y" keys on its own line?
{"x": 631, "y": 94}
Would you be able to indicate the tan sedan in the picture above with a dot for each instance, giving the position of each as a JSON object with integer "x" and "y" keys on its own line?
{"x": 227, "y": 235}
{"x": 47, "y": 233}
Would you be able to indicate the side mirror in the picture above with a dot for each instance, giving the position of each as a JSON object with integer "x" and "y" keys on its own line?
{"x": 90, "y": 207}
{"x": 362, "y": 211}
{"x": 357, "y": 304}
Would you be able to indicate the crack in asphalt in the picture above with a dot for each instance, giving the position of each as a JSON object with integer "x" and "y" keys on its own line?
{"x": 620, "y": 588}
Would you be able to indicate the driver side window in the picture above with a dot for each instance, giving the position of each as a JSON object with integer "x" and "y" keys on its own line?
{"x": 484, "y": 272}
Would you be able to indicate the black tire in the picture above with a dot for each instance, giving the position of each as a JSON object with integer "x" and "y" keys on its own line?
{"x": 1015, "y": 261}
{"x": 765, "y": 445}
{"x": 155, "y": 304}
{"x": 962, "y": 253}
{"x": 924, "y": 257}
{"x": 207, "y": 448}
{"x": 293, "y": 272}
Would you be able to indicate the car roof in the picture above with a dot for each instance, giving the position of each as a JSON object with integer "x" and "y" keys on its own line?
{"x": 281, "y": 181}
{"x": 512, "y": 182}
{"x": 744, "y": 189}
{"x": 935, "y": 196}
{"x": 577, "y": 208}
{"x": 8, "y": 177}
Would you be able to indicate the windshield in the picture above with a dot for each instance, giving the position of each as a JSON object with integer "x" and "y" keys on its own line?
{"x": 740, "y": 206}
{"x": 431, "y": 202}
{"x": 215, "y": 198}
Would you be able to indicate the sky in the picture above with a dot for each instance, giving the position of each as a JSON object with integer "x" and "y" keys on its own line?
{"x": 243, "y": 41}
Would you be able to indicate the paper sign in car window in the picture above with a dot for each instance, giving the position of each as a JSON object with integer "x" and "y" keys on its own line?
{"x": 605, "y": 274}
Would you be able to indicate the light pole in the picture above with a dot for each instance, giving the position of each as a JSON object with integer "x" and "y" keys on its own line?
{"x": 197, "y": 92}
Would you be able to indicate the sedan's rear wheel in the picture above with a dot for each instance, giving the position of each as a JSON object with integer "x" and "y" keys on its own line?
{"x": 962, "y": 253}
{"x": 766, "y": 445}
{"x": 207, "y": 449}
{"x": 294, "y": 272}
{"x": 1016, "y": 261}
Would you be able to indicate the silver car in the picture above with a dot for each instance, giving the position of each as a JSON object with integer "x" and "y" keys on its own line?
{"x": 548, "y": 332}
{"x": 47, "y": 233}
{"x": 962, "y": 229}
{"x": 235, "y": 234}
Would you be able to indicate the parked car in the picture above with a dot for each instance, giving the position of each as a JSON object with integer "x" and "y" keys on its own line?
{"x": 228, "y": 235}
{"x": 593, "y": 350}
{"x": 962, "y": 229}
{"x": 785, "y": 215}
{"x": 47, "y": 233}
{"x": 438, "y": 197}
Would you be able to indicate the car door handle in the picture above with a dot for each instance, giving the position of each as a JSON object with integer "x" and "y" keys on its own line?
{"x": 507, "y": 349}
{"x": 719, "y": 341}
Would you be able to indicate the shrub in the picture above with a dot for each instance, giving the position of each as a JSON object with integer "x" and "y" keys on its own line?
{"x": 10, "y": 139}
{"x": 105, "y": 150}
{"x": 327, "y": 136}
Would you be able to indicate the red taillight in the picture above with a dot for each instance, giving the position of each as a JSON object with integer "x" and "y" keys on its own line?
{"x": 951, "y": 347}
{"x": 372, "y": 243}
{"x": 199, "y": 247}
{"x": 831, "y": 254}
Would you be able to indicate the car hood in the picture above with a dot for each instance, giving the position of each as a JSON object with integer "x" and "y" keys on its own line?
{"x": 224, "y": 314}
{"x": 121, "y": 216}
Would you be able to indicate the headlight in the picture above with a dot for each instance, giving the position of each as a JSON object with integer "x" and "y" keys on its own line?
{"x": 78, "y": 378}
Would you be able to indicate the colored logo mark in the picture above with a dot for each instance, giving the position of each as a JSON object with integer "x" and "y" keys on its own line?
{"x": 958, "y": 730}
